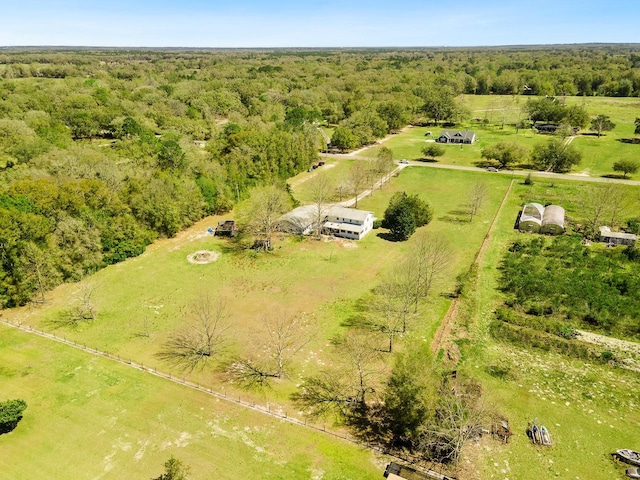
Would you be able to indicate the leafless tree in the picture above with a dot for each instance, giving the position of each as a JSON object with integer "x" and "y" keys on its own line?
{"x": 344, "y": 389}
{"x": 343, "y": 189}
{"x": 358, "y": 176}
{"x": 81, "y": 309}
{"x": 260, "y": 212}
{"x": 476, "y": 198}
{"x": 39, "y": 274}
{"x": 205, "y": 338}
{"x": 320, "y": 196}
{"x": 430, "y": 255}
{"x": 281, "y": 338}
{"x": 387, "y": 312}
{"x": 458, "y": 418}
{"x": 384, "y": 164}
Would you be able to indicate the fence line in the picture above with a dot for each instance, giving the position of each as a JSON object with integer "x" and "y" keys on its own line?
{"x": 209, "y": 391}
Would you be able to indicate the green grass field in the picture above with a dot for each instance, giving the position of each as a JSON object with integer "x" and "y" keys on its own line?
{"x": 502, "y": 113}
{"x": 89, "y": 417}
{"x": 73, "y": 397}
{"x": 590, "y": 410}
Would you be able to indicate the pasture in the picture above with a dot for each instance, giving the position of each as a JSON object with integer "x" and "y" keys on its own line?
{"x": 591, "y": 410}
{"x": 493, "y": 118}
{"x": 89, "y": 417}
{"x": 141, "y": 301}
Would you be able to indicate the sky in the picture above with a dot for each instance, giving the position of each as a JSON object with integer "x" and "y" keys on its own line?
{"x": 314, "y": 23}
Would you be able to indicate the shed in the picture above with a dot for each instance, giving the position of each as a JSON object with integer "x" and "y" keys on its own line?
{"x": 531, "y": 218}
{"x": 553, "y": 220}
{"x": 300, "y": 221}
{"x": 617, "y": 238}
{"x": 226, "y": 228}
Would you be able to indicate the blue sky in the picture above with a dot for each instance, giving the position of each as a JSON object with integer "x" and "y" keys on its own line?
{"x": 313, "y": 23}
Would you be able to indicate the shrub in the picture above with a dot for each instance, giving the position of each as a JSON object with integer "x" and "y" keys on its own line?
{"x": 11, "y": 414}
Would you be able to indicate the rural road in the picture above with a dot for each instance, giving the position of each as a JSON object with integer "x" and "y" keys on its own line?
{"x": 521, "y": 173}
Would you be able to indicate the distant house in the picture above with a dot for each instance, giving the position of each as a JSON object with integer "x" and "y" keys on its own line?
{"x": 538, "y": 219}
{"x": 348, "y": 222}
{"x": 617, "y": 238}
{"x": 546, "y": 128}
{"x": 337, "y": 221}
{"x": 457, "y": 136}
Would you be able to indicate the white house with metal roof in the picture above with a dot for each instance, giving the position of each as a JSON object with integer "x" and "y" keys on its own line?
{"x": 338, "y": 221}
{"x": 348, "y": 222}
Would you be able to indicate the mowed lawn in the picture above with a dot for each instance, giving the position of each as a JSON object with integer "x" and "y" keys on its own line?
{"x": 590, "y": 410}
{"x": 90, "y": 418}
{"x": 502, "y": 113}
{"x": 142, "y": 301}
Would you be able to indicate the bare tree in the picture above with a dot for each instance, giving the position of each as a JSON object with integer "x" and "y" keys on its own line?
{"x": 260, "y": 212}
{"x": 280, "y": 339}
{"x": 346, "y": 388}
{"x": 206, "y": 337}
{"x": 38, "y": 272}
{"x": 342, "y": 190}
{"x": 358, "y": 177}
{"x": 384, "y": 163}
{"x": 476, "y": 198}
{"x": 320, "y": 196}
{"x": 82, "y": 308}
{"x": 430, "y": 256}
{"x": 458, "y": 418}
{"x": 387, "y": 309}
{"x": 401, "y": 282}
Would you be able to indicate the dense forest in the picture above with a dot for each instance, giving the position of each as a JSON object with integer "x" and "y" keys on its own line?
{"x": 103, "y": 151}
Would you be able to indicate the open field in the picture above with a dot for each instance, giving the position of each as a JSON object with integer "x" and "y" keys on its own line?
{"x": 598, "y": 154}
{"x": 324, "y": 280}
{"x": 590, "y": 410}
{"x": 89, "y": 418}
{"x": 142, "y": 300}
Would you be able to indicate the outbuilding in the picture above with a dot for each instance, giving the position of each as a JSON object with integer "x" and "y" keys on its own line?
{"x": 531, "y": 218}
{"x": 538, "y": 219}
{"x": 617, "y": 238}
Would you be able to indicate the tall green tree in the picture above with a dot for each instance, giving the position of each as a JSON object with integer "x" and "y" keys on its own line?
{"x": 505, "y": 153}
{"x": 555, "y": 156}
{"x": 433, "y": 150}
{"x": 626, "y": 166}
{"x": 11, "y": 414}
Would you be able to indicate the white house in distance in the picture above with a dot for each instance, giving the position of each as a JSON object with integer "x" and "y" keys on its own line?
{"x": 348, "y": 222}
{"x": 337, "y": 221}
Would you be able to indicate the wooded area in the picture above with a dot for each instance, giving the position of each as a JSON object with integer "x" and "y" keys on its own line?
{"x": 103, "y": 151}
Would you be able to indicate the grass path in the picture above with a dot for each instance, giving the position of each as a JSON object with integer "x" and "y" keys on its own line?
{"x": 443, "y": 334}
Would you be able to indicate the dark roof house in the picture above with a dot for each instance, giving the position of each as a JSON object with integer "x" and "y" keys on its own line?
{"x": 457, "y": 136}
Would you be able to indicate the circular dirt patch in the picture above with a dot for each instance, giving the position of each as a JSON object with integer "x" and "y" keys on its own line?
{"x": 202, "y": 256}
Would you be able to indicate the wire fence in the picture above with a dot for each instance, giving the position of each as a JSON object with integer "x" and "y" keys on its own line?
{"x": 235, "y": 399}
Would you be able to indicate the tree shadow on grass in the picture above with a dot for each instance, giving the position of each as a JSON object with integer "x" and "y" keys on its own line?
{"x": 616, "y": 176}
{"x": 388, "y": 236}
{"x": 455, "y": 216}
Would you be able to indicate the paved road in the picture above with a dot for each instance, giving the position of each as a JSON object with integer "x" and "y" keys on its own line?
{"x": 521, "y": 173}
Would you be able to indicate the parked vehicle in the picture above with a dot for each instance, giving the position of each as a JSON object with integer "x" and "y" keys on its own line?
{"x": 633, "y": 472}
{"x": 492, "y": 169}
{"x": 404, "y": 161}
